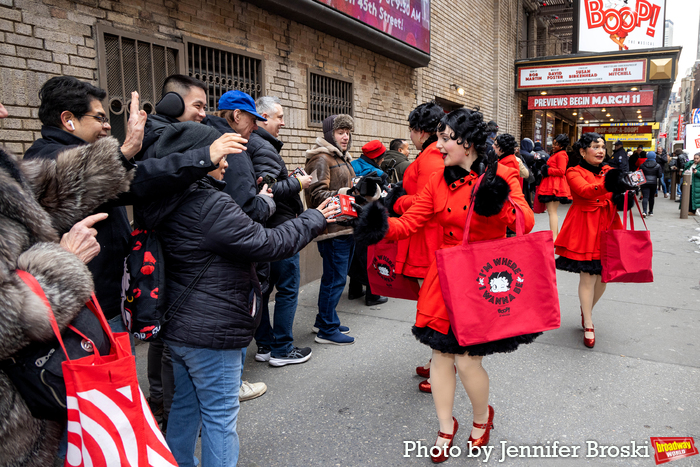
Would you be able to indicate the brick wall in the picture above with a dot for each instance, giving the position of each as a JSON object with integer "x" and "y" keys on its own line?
{"x": 473, "y": 45}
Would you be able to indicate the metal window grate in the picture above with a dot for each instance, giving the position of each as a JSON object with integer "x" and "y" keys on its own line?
{"x": 132, "y": 62}
{"x": 223, "y": 70}
{"x": 328, "y": 96}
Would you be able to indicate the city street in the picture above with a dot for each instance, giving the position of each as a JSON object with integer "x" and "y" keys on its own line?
{"x": 359, "y": 405}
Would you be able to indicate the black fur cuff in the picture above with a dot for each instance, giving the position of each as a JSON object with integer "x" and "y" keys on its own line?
{"x": 619, "y": 200}
{"x": 393, "y": 196}
{"x": 613, "y": 179}
{"x": 372, "y": 224}
{"x": 544, "y": 171}
{"x": 491, "y": 197}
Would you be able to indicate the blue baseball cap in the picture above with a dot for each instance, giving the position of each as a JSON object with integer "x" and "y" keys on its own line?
{"x": 233, "y": 100}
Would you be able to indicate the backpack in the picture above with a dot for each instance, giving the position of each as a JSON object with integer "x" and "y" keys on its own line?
{"x": 143, "y": 286}
{"x": 36, "y": 370}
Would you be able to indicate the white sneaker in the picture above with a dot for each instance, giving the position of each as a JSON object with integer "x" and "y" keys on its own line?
{"x": 250, "y": 391}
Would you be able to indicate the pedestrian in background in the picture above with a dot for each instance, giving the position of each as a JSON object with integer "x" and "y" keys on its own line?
{"x": 554, "y": 188}
{"x": 396, "y": 160}
{"x": 692, "y": 168}
{"x": 652, "y": 172}
{"x": 662, "y": 160}
{"x": 620, "y": 159}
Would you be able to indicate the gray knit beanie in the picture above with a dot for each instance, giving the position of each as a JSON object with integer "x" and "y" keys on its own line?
{"x": 336, "y": 122}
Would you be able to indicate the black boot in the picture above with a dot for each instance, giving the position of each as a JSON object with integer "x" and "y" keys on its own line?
{"x": 372, "y": 300}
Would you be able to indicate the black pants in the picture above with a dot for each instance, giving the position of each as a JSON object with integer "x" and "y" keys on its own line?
{"x": 160, "y": 374}
{"x": 648, "y": 194}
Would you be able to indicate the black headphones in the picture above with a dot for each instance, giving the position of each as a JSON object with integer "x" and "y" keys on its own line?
{"x": 171, "y": 105}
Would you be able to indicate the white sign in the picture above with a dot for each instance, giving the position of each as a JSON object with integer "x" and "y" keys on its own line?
{"x": 692, "y": 137}
{"x": 633, "y": 71}
{"x": 610, "y": 25}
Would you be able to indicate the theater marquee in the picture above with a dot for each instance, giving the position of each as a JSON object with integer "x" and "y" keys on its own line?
{"x": 607, "y": 99}
{"x": 594, "y": 73}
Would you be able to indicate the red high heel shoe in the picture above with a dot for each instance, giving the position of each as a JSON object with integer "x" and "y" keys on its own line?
{"x": 586, "y": 341}
{"x": 488, "y": 426}
{"x": 442, "y": 457}
{"x": 424, "y": 386}
{"x": 422, "y": 371}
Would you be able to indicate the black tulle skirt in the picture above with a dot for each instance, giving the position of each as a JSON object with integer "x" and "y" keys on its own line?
{"x": 572, "y": 265}
{"x": 549, "y": 198}
{"x": 447, "y": 343}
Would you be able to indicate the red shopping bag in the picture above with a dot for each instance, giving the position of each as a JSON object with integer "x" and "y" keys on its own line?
{"x": 381, "y": 272}
{"x": 502, "y": 288}
{"x": 109, "y": 421}
{"x": 538, "y": 207}
{"x": 626, "y": 254}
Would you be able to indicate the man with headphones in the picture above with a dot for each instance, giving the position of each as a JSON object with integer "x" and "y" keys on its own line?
{"x": 72, "y": 115}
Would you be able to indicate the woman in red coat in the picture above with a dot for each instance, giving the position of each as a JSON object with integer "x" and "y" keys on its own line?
{"x": 416, "y": 253}
{"x": 593, "y": 210}
{"x": 447, "y": 198}
{"x": 554, "y": 189}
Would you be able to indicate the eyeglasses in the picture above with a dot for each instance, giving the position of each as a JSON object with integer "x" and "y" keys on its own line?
{"x": 103, "y": 120}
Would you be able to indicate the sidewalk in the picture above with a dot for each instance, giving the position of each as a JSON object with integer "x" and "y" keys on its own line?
{"x": 356, "y": 405}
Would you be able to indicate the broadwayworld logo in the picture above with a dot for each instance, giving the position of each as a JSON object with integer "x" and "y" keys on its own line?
{"x": 670, "y": 449}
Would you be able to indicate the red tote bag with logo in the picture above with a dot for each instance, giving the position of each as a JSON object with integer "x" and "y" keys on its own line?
{"x": 381, "y": 272}
{"x": 502, "y": 288}
{"x": 626, "y": 254}
{"x": 109, "y": 421}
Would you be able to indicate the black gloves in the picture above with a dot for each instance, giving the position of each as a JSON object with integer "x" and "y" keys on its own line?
{"x": 493, "y": 190}
{"x": 491, "y": 167}
{"x": 372, "y": 224}
{"x": 396, "y": 192}
{"x": 544, "y": 171}
{"x": 369, "y": 186}
{"x": 616, "y": 181}
{"x": 619, "y": 200}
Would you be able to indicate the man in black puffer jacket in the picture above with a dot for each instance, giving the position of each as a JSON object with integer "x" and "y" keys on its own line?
{"x": 276, "y": 342}
{"x": 205, "y": 234}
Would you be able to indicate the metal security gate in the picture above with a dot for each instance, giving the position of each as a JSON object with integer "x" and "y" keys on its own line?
{"x": 223, "y": 69}
{"x": 328, "y": 96}
{"x": 133, "y": 62}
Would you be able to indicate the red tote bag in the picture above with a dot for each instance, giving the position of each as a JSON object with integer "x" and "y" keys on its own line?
{"x": 502, "y": 288}
{"x": 538, "y": 207}
{"x": 109, "y": 421}
{"x": 381, "y": 272}
{"x": 626, "y": 254}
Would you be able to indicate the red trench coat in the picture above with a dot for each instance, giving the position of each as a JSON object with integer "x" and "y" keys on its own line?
{"x": 448, "y": 205}
{"x": 590, "y": 214}
{"x": 417, "y": 252}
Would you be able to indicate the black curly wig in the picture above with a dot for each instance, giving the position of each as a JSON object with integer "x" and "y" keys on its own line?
{"x": 562, "y": 140}
{"x": 585, "y": 142}
{"x": 467, "y": 126}
{"x": 507, "y": 144}
{"x": 425, "y": 117}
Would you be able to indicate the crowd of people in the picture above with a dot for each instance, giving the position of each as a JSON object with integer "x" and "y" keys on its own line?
{"x": 231, "y": 218}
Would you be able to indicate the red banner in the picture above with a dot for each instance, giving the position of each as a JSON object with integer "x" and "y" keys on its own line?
{"x": 617, "y": 130}
{"x": 607, "y": 99}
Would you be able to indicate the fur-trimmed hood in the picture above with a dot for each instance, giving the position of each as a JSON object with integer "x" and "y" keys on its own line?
{"x": 324, "y": 147}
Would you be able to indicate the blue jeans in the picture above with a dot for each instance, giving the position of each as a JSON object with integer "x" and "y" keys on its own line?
{"x": 285, "y": 276}
{"x": 207, "y": 383}
{"x": 336, "y": 253}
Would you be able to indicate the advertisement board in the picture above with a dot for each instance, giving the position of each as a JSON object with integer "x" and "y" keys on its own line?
{"x": 405, "y": 20}
{"x": 692, "y": 138}
{"x": 695, "y": 116}
{"x": 616, "y": 25}
{"x": 581, "y": 74}
{"x": 607, "y": 99}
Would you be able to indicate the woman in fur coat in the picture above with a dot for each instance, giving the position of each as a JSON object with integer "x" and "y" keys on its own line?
{"x": 446, "y": 198}
{"x": 40, "y": 200}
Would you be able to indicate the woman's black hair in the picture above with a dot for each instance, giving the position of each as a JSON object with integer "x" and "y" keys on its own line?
{"x": 492, "y": 127}
{"x": 467, "y": 127}
{"x": 425, "y": 117}
{"x": 585, "y": 142}
{"x": 66, "y": 93}
{"x": 507, "y": 144}
{"x": 562, "y": 140}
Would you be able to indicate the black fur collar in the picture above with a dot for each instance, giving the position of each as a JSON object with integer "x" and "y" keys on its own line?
{"x": 454, "y": 173}
{"x": 589, "y": 167}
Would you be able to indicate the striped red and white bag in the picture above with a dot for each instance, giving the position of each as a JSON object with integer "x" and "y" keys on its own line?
{"x": 109, "y": 421}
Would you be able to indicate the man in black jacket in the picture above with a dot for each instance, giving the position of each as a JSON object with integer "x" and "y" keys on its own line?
{"x": 620, "y": 159}
{"x": 276, "y": 342}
